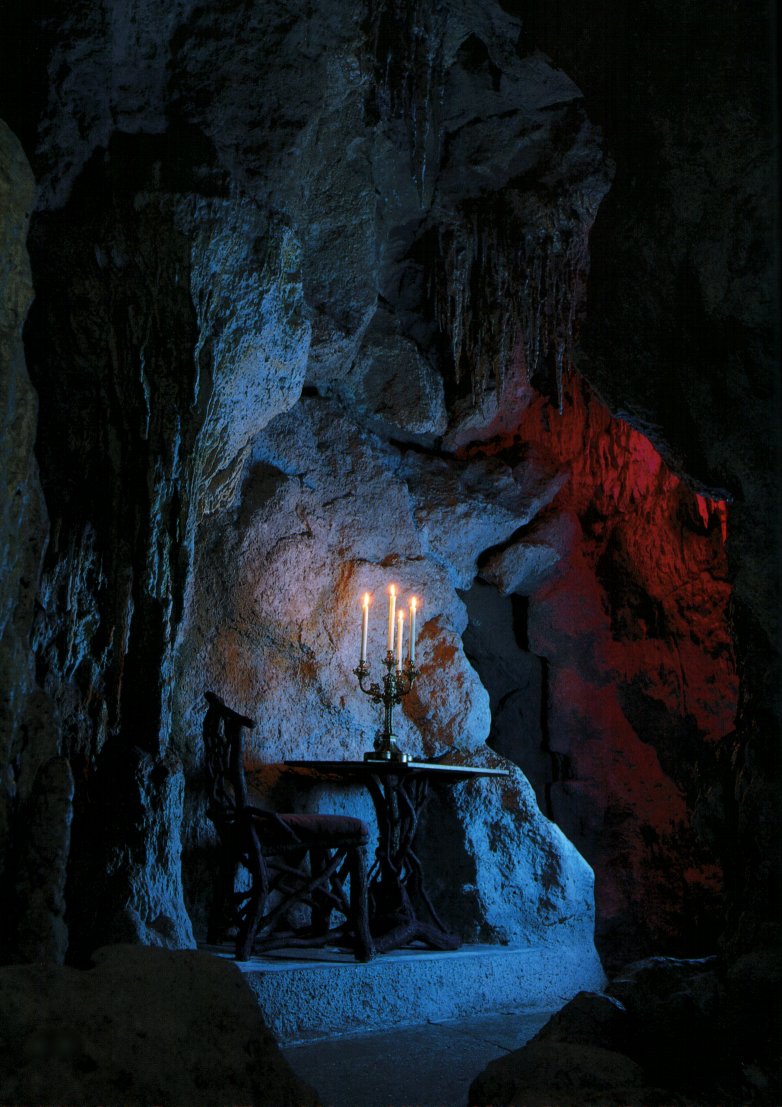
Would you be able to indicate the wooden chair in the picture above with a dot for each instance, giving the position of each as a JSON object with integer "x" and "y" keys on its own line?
{"x": 288, "y": 860}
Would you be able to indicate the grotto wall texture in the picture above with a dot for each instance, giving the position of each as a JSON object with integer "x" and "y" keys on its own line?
{"x": 279, "y": 635}
{"x": 236, "y": 207}
{"x": 622, "y": 628}
{"x": 682, "y": 335}
{"x": 310, "y": 288}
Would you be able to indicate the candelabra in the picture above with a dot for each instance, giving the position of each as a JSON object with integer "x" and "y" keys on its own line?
{"x": 396, "y": 684}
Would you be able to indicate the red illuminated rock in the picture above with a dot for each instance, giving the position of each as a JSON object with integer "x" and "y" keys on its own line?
{"x": 632, "y": 622}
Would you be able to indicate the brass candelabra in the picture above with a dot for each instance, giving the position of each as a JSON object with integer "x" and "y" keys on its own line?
{"x": 396, "y": 683}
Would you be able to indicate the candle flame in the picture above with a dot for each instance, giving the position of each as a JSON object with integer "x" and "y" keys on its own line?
{"x": 392, "y": 589}
{"x": 414, "y": 603}
{"x": 365, "y": 600}
{"x": 401, "y": 614}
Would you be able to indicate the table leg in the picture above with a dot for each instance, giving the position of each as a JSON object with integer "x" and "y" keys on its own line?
{"x": 396, "y": 880}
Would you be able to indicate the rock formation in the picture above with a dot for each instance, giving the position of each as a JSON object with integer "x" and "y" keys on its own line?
{"x": 625, "y": 589}
{"x": 187, "y": 1030}
{"x": 665, "y": 1031}
{"x": 310, "y": 314}
{"x": 191, "y": 280}
{"x": 682, "y": 335}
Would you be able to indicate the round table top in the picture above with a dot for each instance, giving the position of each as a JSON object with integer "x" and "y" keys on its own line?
{"x": 382, "y": 767}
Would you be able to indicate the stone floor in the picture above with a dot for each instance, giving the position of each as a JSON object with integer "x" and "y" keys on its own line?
{"x": 431, "y": 1065}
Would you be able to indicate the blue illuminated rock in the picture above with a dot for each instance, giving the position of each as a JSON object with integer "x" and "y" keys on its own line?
{"x": 329, "y": 506}
{"x": 526, "y": 564}
{"x": 463, "y": 509}
{"x": 256, "y": 334}
{"x": 392, "y": 381}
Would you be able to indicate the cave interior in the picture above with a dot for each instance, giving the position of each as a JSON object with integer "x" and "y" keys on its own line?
{"x": 302, "y": 299}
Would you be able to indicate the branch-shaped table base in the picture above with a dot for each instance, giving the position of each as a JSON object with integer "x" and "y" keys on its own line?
{"x": 400, "y": 910}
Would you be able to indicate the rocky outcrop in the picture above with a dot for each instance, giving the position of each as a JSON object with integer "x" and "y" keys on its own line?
{"x": 683, "y": 297}
{"x": 662, "y": 1034}
{"x": 328, "y": 505}
{"x": 236, "y": 206}
{"x": 617, "y": 613}
{"x": 119, "y": 413}
{"x": 389, "y": 211}
{"x": 141, "y": 1026}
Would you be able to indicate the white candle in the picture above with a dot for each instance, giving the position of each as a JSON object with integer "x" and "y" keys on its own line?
{"x": 391, "y": 612}
{"x": 413, "y": 608}
{"x": 399, "y": 632}
{"x": 364, "y": 626}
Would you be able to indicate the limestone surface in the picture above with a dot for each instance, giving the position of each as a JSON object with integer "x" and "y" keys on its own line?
{"x": 330, "y": 506}
{"x": 239, "y": 204}
{"x": 392, "y": 209}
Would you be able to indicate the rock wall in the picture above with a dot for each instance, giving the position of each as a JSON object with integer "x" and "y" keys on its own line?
{"x": 630, "y": 674}
{"x": 309, "y": 282}
{"x": 236, "y": 207}
{"x": 328, "y": 510}
{"x": 36, "y": 790}
{"x": 682, "y": 336}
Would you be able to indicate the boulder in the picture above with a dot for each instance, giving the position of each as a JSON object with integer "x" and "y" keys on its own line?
{"x": 566, "y": 1074}
{"x": 141, "y": 1026}
{"x": 512, "y": 876}
{"x": 590, "y": 1019}
{"x": 674, "y": 1004}
{"x": 656, "y": 1038}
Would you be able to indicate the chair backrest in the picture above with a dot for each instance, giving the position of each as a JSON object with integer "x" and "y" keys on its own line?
{"x": 224, "y": 745}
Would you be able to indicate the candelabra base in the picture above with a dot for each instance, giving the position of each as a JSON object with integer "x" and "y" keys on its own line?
{"x": 387, "y": 755}
{"x": 386, "y": 749}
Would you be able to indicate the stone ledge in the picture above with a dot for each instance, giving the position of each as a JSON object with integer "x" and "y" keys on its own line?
{"x": 305, "y": 994}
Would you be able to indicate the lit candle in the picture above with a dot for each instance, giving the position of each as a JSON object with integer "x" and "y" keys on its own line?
{"x": 413, "y": 609}
{"x": 364, "y": 626}
{"x": 391, "y": 613}
{"x": 399, "y": 632}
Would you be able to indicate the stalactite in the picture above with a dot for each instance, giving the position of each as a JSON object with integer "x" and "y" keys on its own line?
{"x": 405, "y": 40}
{"x": 508, "y": 286}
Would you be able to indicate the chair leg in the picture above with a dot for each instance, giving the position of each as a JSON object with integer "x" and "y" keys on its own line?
{"x": 321, "y": 904}
{"x": 359, "y": 909}
{"x": 259, "y": 891}
{"x": 222, "y": 889}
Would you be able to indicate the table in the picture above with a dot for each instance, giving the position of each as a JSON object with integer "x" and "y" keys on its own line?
{"x": 399, "y": 791}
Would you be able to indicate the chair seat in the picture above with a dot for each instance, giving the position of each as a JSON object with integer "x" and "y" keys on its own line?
{"x": 294, "y": 829}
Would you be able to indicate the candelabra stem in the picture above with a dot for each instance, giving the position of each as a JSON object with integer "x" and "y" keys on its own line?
{"x": 388, "y": 727}
{"x": 396, "y": 684}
